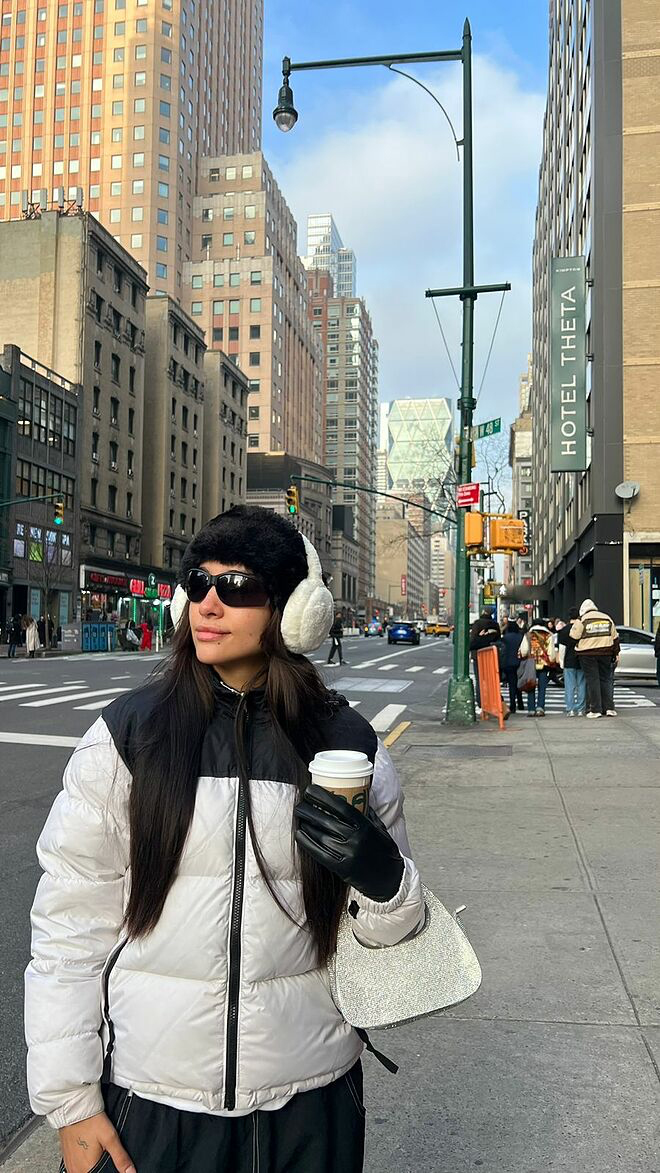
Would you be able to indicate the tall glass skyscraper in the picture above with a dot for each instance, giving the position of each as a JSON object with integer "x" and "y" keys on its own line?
{"x": 325, "y": 250}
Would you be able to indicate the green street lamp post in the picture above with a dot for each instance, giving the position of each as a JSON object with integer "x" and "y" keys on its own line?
{"x": 460, "y": 702}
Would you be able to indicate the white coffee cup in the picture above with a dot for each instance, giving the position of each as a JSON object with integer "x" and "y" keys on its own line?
{"x": 344, "y": 772}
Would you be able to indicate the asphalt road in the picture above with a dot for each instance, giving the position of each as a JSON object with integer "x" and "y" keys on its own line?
{"x": 46, "y": 705}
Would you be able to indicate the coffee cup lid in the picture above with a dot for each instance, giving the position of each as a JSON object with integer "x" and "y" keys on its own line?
{"x": 341, "y": 763}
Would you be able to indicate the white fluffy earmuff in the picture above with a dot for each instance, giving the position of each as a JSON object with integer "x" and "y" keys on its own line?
{"x": 179, "y": 600}
{"x": 309, "y": 610}
{"x": 307, "y": 615}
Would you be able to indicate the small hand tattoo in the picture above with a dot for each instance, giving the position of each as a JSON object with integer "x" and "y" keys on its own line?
{"x": 82, "y": 1143}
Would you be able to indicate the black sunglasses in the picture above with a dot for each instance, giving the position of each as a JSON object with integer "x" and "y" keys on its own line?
{"x": 233, "y": 588}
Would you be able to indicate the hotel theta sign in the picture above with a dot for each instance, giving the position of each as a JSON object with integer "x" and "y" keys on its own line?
{"x": 568, "y": 365}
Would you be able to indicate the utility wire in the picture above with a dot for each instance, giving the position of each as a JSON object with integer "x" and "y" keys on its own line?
{"x": 492, "y": 341}
{"x": 435, "y": 309}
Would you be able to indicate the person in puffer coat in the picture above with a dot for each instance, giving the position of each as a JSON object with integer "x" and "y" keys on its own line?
{"x": 178, "y": 1007}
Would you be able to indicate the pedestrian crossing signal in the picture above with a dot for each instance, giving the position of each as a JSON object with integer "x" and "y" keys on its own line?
{"x": 292, "y": 500}
{"x": 58, "y": 519}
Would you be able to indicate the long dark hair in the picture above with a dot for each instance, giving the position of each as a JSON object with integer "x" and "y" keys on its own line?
{"x": 166, "y": 767}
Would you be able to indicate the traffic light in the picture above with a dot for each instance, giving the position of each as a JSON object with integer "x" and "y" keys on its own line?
{"x": 292, "y": 499}
{"x": 474, "y": 528}
{"x": 58, "y": 519}
{"x": 506, "y": 534}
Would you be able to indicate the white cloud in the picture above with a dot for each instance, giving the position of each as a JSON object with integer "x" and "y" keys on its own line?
{"x": 393, "y": 183}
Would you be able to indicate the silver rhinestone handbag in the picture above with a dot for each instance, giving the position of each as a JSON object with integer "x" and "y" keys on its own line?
{"x": 387, "y": 986}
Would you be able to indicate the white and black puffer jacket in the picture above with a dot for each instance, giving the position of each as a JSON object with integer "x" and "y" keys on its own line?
{"x": 222, "y": 1008}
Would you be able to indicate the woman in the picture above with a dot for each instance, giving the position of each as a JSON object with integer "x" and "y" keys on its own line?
{"x": 178, "y": 918}
{"x": 32, "y": 643}
{"x": 512, "y": 638}
{"x": 539, "y": 645}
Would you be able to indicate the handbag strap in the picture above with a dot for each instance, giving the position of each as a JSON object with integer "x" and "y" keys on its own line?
{"x": 389, "y": 1064}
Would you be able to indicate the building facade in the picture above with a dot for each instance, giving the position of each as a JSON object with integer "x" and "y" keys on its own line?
{"x": 40, "y": 556}
{"x": 400, "y": 564}
{"x": 418, "y": 435}
{"x": 74, "y": 299}
{"x": 343, "y": 326}
{"x": 224, "y": 482}
{"x": 518, "y": 567}
{"x": 269, "y": 477}
{"x": 172, "y": 473}
{"x": 325, "y": 251}
{"x": 598, "y": 186}
{"x": 113, "y": 105}
{"x": 247, "y": 291}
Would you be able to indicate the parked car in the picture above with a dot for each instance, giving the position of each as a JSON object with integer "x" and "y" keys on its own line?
{"x": 402, "y": 633}
{"x": 637, "y": 655}
{"x": 373, "y": 628}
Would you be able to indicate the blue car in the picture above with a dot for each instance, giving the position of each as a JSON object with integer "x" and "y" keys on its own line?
{"x": 402, "y": 633}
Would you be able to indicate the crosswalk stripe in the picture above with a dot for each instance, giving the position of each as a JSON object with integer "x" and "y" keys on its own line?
{"x": 388, "y": 668}
{"x": 354, "y": 704}
{"x": 386, "y": 717}
{"x": 11, "y": 687}
{"x": 38, "y": 739}
{"x": 78, "y": 696}
{"x": 440, "y": 671}
{"x": 38, "y": 690}
{"x": 416, "y": 668}
{"x": 97, "y": 704}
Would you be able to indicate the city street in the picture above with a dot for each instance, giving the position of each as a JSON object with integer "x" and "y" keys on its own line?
{"x": 546, "y": 832}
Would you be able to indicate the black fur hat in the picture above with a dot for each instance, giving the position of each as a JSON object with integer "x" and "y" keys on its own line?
{"x": 262, "y": 541}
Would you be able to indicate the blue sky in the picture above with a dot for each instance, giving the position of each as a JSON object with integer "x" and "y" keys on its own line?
{"x": 375, "y": 150}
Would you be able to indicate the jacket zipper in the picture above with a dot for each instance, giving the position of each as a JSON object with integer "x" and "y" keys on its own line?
{"x": 235, "y": 952}
{"x": 109, "y": 966}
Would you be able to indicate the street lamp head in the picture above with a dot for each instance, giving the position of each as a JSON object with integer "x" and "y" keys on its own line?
{"x": 285, "y": 113}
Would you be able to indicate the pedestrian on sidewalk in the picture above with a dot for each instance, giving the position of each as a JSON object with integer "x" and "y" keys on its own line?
{"x": 336, "y": 634}
{"x": 147, "y": 629}
{"x": 598, "y": 647}
{"x": 31, "y": 636}
{"x": 511, "y": 641}
{"x": 484, "y": 632}
{"x": 539, "y": 645}
{"x": 184, "y": 1020}
{"x": 575, "y": 688}
{"x": 13, "y": 636}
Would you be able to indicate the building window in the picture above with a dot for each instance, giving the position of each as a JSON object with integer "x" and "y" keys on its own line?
{"x": 255, "y": 358}
{"x": 234, "y": 306}
{"x": 197, "y": 281}
{"x": 161, "y": 271}
{"x": 255, "y": 277}
{"x": 227, "y": 238}
{"x": 255, "y": 305}
{"x": 255, "y": 331}
{"x": 112, "y": 498}
{"x": 115, "y": 366}
{"x": 161, "y": 244}
{"x": 253, "y": 441}
{"x": 249, "y": 237}
{"x": 196, "y": 308}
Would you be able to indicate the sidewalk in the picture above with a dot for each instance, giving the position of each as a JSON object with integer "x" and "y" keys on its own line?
{"x": 548, "y": 832}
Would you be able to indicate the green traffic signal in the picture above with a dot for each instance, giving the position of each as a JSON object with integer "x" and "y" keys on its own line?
{"x": 59, "y": 513}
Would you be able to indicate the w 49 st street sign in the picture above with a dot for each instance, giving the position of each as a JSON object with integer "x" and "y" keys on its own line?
{"x": 491, "y": 428}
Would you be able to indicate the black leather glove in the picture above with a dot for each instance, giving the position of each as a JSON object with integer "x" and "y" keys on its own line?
{"x": 357, "y": 848}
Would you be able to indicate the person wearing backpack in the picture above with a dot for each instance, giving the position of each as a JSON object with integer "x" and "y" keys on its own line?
{"x": 539, "y": 645}
{"x": 512, "y": 638}
{"x": 598, "y": 648}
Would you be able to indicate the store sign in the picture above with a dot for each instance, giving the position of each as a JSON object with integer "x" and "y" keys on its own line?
{"x": 568, "y": 365}
{"x": 164, "y": 590}
{"x": 525, "y": 516}
{"x": 404, "y": 585}
{"x": 114, "y": 580}
{"x": 137, "y": 586}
